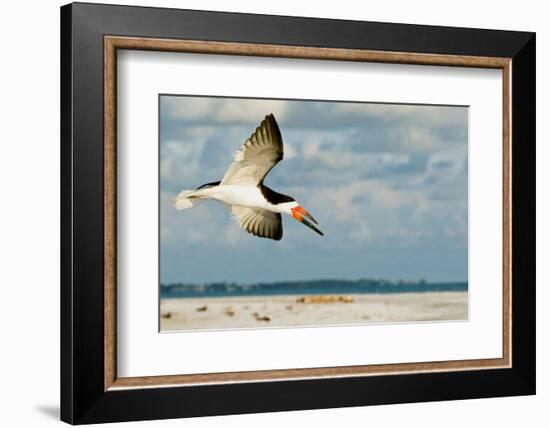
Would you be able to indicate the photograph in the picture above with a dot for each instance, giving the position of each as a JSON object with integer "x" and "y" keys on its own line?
{"x": 381, "y": 188}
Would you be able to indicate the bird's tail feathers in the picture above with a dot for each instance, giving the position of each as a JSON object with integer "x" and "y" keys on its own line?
{"x": 186, "y": 199}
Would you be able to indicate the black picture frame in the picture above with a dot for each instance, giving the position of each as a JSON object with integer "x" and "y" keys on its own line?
{"x": 83, "y": 396}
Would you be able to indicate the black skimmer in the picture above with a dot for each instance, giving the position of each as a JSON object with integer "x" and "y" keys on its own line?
{"x": 256, "y": 208}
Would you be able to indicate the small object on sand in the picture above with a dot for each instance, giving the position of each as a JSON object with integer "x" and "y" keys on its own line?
{"x": 229, "y": 311}
{"x": 289, "y": 307}
{"x": 202, "y": 308}
{"x": 325, "y": 299}
{"x": 261, "y": 317}
{"x": 167, "y": 315}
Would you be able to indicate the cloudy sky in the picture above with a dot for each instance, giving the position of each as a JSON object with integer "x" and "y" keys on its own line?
{"x": 388, "y": 184}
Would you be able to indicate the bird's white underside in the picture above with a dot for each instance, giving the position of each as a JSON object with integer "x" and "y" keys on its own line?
{"x": 243, "y": 196}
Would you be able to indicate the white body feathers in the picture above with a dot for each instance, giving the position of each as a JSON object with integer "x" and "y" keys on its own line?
{"x": 231, "y": 194}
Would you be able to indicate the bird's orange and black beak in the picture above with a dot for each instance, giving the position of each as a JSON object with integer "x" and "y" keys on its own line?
{"x": 302, "y": 216}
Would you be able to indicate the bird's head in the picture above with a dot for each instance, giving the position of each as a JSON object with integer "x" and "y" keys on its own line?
{"x": 301, "y": 215}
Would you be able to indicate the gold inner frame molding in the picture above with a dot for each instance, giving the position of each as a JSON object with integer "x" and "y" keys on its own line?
{"x": 113, "y": 43}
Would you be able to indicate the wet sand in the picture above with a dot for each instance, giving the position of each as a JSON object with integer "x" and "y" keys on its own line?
{"x": 300, "y": 310}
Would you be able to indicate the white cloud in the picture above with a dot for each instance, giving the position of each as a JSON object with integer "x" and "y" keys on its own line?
{"x": 222, "y": 110}
{"x": 188, "y": 108}
{"x": 250, "y": 111}
{"x": 405, "y": 113}
{"x": 180, "y": 160}
{"x": 419, "y": 139}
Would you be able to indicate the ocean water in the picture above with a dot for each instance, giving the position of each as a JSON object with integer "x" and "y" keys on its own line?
{"x": 328, "y": 286}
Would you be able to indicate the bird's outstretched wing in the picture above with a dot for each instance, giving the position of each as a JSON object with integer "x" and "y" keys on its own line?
{"x": 259, "y": 222}
{"x": 257, "y": 156}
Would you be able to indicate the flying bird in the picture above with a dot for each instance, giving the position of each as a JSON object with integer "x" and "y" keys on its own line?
{"x": 255, "y": 207}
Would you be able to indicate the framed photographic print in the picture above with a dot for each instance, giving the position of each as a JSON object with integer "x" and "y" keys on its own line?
{"x": 265, "y": 213}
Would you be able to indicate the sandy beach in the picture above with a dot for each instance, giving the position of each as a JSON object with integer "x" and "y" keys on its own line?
{"x": 280, "y": 311}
